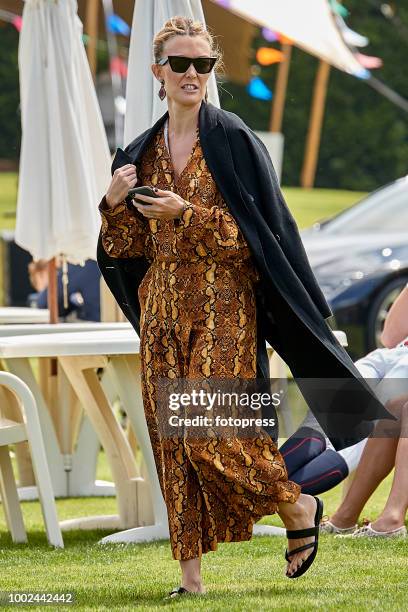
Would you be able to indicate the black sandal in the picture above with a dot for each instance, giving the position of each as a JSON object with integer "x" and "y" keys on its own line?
{"x": 177, "y": 591}
{"x": 305, "y": 533}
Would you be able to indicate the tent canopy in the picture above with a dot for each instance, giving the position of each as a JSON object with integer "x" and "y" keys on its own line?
{"x": 310, "y": 24}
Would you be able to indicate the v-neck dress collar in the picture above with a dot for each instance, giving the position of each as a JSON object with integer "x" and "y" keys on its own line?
{"x": 165, "y": 131}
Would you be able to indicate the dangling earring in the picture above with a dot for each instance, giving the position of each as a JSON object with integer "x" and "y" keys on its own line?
{"x": 162, "y": 91}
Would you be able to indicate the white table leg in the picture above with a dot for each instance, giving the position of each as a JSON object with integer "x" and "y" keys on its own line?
{"x": 82, "y": 481}
{"x": 138, "y": 535}
{"x": 81, "y": 374}
{"x": 125, "y": 373}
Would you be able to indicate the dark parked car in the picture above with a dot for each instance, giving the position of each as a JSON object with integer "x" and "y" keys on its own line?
{"x": 360, "y": 258}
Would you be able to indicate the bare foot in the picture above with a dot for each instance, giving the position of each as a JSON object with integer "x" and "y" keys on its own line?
{"x": 343, "y": 520}
{"x": 301, "y": 515}
{"x": 387, "y": 523}
{"x": 193, "y": 586}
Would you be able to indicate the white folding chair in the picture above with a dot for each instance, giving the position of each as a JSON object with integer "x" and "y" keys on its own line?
{"x": 12, "y": 432}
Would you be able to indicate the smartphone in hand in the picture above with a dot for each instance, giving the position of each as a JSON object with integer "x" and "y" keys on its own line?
{"x": 143, "y": 190}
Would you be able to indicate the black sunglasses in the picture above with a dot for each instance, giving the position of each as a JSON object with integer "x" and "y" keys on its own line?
{"x": 178, "y": 63}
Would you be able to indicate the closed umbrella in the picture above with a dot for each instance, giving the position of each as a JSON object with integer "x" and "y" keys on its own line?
{"x": 65, "y": 158}
{"x": 143, "y": 106}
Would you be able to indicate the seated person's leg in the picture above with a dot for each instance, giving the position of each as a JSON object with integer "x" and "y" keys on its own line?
{"x": 352, "y": 454}
{"x": 394, "y": 513}
{"x": 322, "y": 473}
{"x": 374, "y": 365}
{"x": 303, "y": 446}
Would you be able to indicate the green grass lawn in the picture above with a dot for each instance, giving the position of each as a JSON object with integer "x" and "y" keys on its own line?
{"x": 311, "y": 205}
{"x": 358, "y": 575}
{"x": 307, "y": 205}
{"x": 8, "y": 199}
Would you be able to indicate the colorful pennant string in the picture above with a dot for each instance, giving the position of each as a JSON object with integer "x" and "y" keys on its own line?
{"x": 339, "y": 9}
{"x": 285, "y": 40}
{"x": 17, "y": 22}
{"x": 257, "y": 89}
{"x": 224, "y": 3}
{"x": 267, "y": 56}
{"x": 116, "y": 25}
{"x": 363, "y": 74}
{"x": 349, "y": 36}
{"x": 119, "y": 66}
{"x": 369, "y": 61}
{"x": 270, "y": 35}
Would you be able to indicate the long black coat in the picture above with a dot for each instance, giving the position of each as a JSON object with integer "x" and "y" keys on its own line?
{"x": 291, "y": 308}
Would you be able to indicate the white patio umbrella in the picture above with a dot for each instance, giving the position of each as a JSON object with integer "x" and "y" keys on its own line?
{"x": 65, "y": 158}
{"x": 143, "y": 106}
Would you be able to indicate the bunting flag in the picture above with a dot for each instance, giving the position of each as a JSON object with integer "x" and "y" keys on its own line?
{"x": 267, "y": 56}
{"x": 368, "y": 61}
{"x": 17, "y": 22}
{"x": 224, "y": 3}
{"x": 339, "y": 9}
{"x": 363, "y": 73}
{"x": 257, "y": 89}
{"x": 270, "y": 35}
{"x": 116, "y": 25}
{"x": 350, "y": 37}
{"x": 119, "y": 66}
{"x": 12, "y": 18}
{"x": 285, "y": 40}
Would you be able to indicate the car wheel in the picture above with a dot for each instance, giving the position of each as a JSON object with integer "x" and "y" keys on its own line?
{"x": 380, "y": 309}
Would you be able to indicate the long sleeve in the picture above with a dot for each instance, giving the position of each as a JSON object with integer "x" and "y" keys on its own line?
{"x": 124, "y": 233}
{"x": 210, "y": 231}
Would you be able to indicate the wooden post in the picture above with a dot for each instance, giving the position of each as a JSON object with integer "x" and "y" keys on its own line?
{"x": 52, "y": 299}
{"x": 109, "y": 309}
{"x": 280, "y": 90}
{"x": 91, "y": 29}
{"x": 52, "y": 291}
{"x": 315, "y": 125}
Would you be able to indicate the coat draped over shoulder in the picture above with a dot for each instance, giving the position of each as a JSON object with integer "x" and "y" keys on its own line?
{"x": 291, "y": 308}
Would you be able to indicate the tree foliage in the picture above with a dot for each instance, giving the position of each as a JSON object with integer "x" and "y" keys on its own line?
{"x": 9, "y": 94}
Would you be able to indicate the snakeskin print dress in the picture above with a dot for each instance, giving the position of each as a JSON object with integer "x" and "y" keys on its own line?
{"x": 198, "y": 320}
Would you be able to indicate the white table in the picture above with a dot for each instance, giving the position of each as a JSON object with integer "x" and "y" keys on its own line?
{"x": 48, "y": 328}
{"x": 77, "y": 480}
{"x": 14, "y": 314}
{"x": 79, "y": 354}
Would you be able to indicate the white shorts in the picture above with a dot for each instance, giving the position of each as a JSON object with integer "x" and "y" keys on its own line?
{"x": 380, "y": 364}
{"x": 384, "y": 363}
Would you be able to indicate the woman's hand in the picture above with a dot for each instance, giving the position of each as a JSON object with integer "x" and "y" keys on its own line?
{"x": 168, "y": 205}
{"x": 123, "y": 179}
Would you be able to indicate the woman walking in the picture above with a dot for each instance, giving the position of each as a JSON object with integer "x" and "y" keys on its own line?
{"x": 196, "y": 309}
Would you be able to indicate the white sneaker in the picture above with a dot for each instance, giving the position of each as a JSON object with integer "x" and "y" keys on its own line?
{"x": 326, "y": 526}
{"x": 368, "y": 532}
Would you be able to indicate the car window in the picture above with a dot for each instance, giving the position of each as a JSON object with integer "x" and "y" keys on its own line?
{"x": 383, "y": 211}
